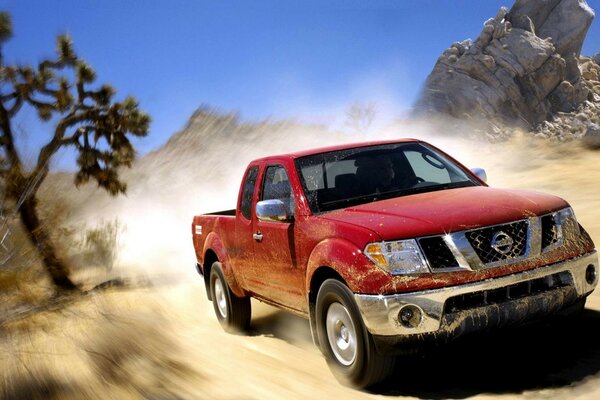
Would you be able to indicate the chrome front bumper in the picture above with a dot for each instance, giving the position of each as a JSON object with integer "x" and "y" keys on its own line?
{"x": 380, "y": 313}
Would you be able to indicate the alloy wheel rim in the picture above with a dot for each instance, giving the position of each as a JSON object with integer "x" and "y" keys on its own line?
{"x": 220, "y": 298}
{"x": 341, "y": 334}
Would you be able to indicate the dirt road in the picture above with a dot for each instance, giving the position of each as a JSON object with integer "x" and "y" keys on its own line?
{"x": 278, "y": 359}
{"x": 164, "y": 341}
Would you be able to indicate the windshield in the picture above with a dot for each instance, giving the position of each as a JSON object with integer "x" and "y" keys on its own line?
{"x": 360, "y": 175}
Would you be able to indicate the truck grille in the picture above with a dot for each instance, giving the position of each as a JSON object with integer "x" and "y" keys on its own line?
{"x": 512, "y": 292}
{"x": 437, "y": 252}
{"x": 549, "y": 231}
{"x": 491, "y": 244}
{"x": 495, "y": 245}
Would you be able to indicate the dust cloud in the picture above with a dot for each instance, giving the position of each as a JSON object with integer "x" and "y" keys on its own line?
{"x": 165, "y": 341}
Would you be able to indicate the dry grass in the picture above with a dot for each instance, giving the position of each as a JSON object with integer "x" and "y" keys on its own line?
{"x": 23, "y": 282}
{"x": 107, "y": 344}
{"x": 112, "y": 345}
{"x": 165, "y": 342}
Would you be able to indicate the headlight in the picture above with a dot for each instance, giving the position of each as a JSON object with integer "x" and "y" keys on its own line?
{"x": 564, "y": 228}
{"x": 398, "y": 258}
{"x": 565, "y": 218}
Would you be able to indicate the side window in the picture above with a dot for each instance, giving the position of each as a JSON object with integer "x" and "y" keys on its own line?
{"x": 313, "y": 176}
{"x": 276, "y": 185}
{"x": 248, "y": 191}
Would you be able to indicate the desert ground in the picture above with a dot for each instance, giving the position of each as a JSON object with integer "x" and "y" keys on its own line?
{"x": 158, "y": 338}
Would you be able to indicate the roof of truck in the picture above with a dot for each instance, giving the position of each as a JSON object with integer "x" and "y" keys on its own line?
{"x": 344, "y": 146}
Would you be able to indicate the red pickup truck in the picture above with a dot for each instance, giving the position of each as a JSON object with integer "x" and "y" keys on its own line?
{"x": 384, "y": 245}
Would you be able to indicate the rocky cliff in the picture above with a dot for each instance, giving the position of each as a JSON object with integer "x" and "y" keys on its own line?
{"x": 523, "y": 69}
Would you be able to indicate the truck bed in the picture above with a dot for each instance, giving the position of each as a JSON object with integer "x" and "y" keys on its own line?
{"x": 226, "y": 212}
{"x": 222, "y": 223}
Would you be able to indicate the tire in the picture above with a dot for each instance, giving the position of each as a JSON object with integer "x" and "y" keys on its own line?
{"x": 566, "y": 320}
{"x": 574, "y": 311}
{"x": 344, "y": 339}
{"x": 570, "y": 313}
{"x": 233, "y": 313}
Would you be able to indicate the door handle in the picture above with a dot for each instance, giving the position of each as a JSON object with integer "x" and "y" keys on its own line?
{"x": 257, "y": 236}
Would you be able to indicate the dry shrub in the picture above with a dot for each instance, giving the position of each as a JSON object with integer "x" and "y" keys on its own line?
{"x": 101, "y": 244}
{"x": 93, "y": 247}
{"x": 22, "y": 287}
{"x": 108, "y": 345}
{"x": 40, "y": 385}
{"x": 23, "y": 281}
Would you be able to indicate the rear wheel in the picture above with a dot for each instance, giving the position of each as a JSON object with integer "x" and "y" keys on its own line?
{"x": 344, "y": 340}
{"x": 233, "y": 313}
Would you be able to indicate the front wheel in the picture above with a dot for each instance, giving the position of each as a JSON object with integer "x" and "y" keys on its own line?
{"x": 232, "y": 312}
{"x": 344, "y": 340}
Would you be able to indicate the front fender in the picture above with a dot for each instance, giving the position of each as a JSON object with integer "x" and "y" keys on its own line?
{"x": 359, "y": 273}
{"x": 213, "y": 242}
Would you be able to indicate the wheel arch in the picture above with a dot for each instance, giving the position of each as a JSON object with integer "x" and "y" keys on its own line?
{"x": 320, "y": 275}
{"x": 209, "y": 258}
{"x": 343, "y": 257}
{"x": 214, "y": 246}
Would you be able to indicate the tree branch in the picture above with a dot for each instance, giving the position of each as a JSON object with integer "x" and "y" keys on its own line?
{"x": 49, "y": 92}
{"x": 39, "y": 103}
{"x": 51, "y": 65}
{"x": 16, "y": 107}
{"x": 41, "y": 169}
{"x": 8, "y": 97}
{"x": 80, "y": 92}
{"x": 8, "y": 142}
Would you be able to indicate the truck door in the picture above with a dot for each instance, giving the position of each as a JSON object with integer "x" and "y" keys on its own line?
{"x": 274, "y": 245}
{"x": 241, "y": 251}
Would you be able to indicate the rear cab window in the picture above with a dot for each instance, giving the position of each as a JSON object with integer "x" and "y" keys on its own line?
{"x": 248, "y": 192}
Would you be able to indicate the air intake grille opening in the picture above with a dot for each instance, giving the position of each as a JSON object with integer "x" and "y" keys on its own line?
{"x": 512, "y": 292}
{"x": 437, "y": 252}
{"x": 549, "y": 231}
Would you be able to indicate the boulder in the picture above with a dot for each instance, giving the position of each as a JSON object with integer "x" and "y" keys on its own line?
{"x": 565, "y": 22}
{"x": 546, "y": 78}
{"x": 567, "y": 97}
{"x": 522, "y": 68}
{"x": 591, "y": 138}
{"x": 536, "y": 12}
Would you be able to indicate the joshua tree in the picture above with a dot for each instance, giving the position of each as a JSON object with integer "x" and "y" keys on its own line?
{"x": 86, "y": 119}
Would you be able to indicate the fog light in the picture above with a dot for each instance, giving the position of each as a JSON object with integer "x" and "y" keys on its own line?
{"x": 410, "y": 316}
{"x": 590, "y": 274}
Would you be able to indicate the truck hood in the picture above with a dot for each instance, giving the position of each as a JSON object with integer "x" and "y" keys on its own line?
{"x": 446, "y": 211}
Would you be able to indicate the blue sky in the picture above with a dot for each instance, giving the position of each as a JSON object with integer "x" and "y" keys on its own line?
{"x": 303, "y": 59}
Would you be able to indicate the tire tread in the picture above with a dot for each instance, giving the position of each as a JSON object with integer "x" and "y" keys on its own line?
{"x": 372, "y": 367}
{"x": 239, "y": 308}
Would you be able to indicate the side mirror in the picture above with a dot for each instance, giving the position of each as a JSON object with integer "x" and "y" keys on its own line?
{"x": 272, "y": 211}
{"x": 480, "y": 173}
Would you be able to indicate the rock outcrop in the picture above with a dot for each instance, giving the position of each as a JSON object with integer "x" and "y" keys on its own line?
{"x": 591, "y": 138}
{"x": 522, "y": 69}
{"x": 580, "y": 123}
